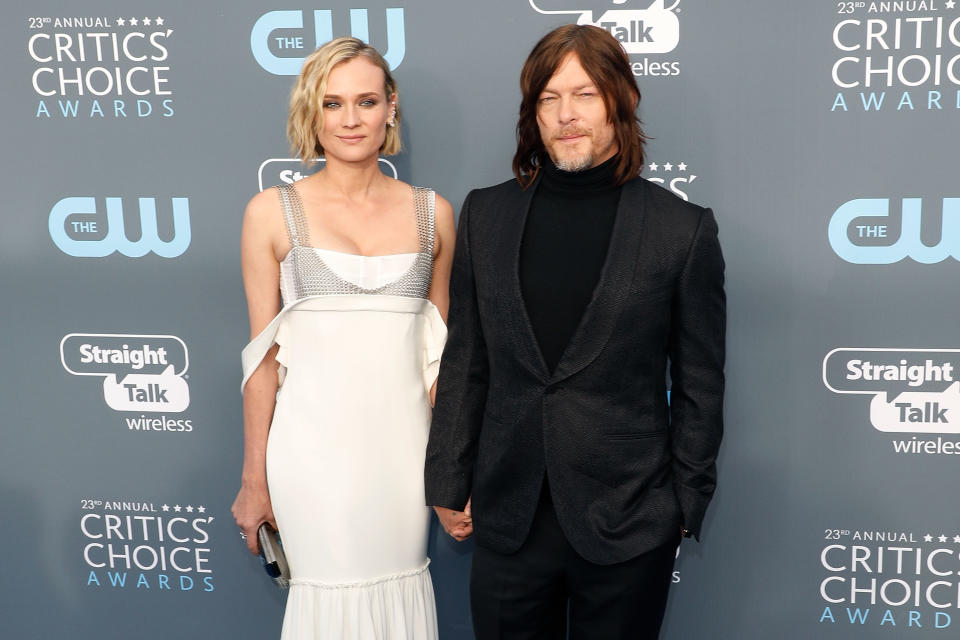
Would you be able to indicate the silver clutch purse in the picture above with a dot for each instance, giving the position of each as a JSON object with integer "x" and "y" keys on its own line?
{"x": 271, "y": 555}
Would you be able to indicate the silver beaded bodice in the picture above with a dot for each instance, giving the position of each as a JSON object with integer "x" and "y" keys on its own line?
{"x": 309, "y": 275}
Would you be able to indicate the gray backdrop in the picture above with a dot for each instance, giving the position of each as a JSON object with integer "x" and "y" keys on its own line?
{"x": 822, "y": 133}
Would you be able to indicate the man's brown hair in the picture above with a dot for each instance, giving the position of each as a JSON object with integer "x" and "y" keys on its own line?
{"x": 608, "y": 66}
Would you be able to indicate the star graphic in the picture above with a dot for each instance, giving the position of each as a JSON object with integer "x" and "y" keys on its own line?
{"x": 667, "y": 166}
{"x": 928, "y": 538}
{"x": 949, "y": 4}
{"x": 176, "y": 508}
{"x": 942, "y": 538}
{"x": 189, "y": 508}
{"x": 201, "y": 509}
{"x": 121, "y": 22}
{"x": 133, "y": 22}
{"x": 165, "y": 507}
{"x": 956, "y": 539}
{"x": 682, "y": 166}
{"x": 146, "y": 21}
{"x": 158, "y": 22}
{"x": 654, "y": 166}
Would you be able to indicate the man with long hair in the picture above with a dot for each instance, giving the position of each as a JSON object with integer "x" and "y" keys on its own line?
{"x": 573, "y": 287}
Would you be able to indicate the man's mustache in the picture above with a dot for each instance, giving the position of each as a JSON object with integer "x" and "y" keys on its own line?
{"x": 573, "y": 131}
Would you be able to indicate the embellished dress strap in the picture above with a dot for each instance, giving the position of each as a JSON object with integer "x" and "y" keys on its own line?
{"x": 293, "y": 217}
{"x": 425, "y": 203}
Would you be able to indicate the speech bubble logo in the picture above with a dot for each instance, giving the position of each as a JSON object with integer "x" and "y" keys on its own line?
{"x": 140, "y": 372}
{"x": 118, "y": 354}
{"x": 654, "y": 29}
{"x": 918, "y": 411}
{"x": 274, "y": 171}
{"x": 166, "y": 392}
{"x": 914, "y": 390}
{"x": 890, "y": 371}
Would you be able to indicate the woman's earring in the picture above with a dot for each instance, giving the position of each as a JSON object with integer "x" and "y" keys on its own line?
{"x": 393, "y": 117}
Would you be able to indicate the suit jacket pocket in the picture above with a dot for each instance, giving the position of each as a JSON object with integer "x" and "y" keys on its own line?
{"x": 648, "y": 292}
{"x": 635, "y": 435}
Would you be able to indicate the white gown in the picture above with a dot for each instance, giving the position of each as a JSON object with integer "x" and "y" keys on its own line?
{"x": 359, "y": 348}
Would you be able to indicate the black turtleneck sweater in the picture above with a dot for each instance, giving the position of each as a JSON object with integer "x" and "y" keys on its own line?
{"x": 564, "y": 247}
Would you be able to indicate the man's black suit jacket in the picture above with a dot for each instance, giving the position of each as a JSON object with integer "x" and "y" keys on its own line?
{"x": 626, "y": 468}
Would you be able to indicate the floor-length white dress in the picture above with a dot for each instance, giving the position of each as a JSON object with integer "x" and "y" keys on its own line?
{"x": 359, "y": 348}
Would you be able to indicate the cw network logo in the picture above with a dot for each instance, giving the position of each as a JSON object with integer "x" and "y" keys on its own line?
{"x": 140, "y": 372}
{"x": 862, "y": 231}
{"x": 280, "y": 46}
{"x": 653, "y": 29}
{"x": 80, "y": 229}
{"x": 276, "y": 171}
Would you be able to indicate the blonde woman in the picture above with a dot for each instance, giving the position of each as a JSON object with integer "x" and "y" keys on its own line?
{"x": 346, "y": 275}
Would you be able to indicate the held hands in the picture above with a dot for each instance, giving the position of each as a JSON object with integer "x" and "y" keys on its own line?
{"x": 252, "y": 508}
{"x": 459, "y": 524}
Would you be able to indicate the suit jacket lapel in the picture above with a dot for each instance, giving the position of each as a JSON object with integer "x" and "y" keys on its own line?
{"x": 515, "y": 308}
{"x": 613, "y": 288}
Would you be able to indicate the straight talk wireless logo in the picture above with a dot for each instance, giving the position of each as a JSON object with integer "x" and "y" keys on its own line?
{"x": 912, "y": 391}
{"x": 143, "y": 374}
{"x": 641, "y": 27}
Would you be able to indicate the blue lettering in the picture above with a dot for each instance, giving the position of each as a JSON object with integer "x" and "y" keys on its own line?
{"x": 888, "y": 617}
{"x": 42, "y": 108}
{"x": 857, "y": 616}
{"x": 117, "y": 578}
{"x": 827, "y": 615}
{"x": 905, "y": 100}
{"x": 142, "y": 582}
{"x": 914, "y": 617}
{"x": 95, "y": 109}
{"x": 168, "y": 108}
{"x": 944, "y": 618}
{"x": 163, "y": 581}
{"x": 873, "y": 101}
{"x": 323, "y": 32}
{"x": 116, "y": 238}
{"x": 909, "y": 244}
{"x": 92, "y": 579}
{"x": 186, "y": 583}
{"x": 144, "y": 104}
{"x": 260, "y": 36}
{"x": 68, "y": 108}
{"x": 208, "y": 581}
{"x": 839, "y": 102}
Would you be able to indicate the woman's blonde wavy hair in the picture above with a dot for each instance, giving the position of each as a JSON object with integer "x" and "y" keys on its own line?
{"x": 306, "y": 112}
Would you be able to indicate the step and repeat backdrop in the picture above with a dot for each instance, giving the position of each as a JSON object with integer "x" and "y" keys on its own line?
{"x": 823, "y": 133}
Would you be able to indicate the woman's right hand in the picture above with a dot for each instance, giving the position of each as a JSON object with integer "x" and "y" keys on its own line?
{"x": 251, "y": 509}
{"x": 459, "y": 524}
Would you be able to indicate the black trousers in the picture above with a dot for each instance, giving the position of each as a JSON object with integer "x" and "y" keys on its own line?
{"x": 526, "y": 595}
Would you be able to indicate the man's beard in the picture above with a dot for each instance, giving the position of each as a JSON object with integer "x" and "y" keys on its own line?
{"x": 577, "y": 163}
{"x": 573, "y": 165}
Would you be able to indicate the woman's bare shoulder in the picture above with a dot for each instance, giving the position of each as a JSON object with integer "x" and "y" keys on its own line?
{"x": 263, "y": 223}
{"x": 262, "y": 207}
